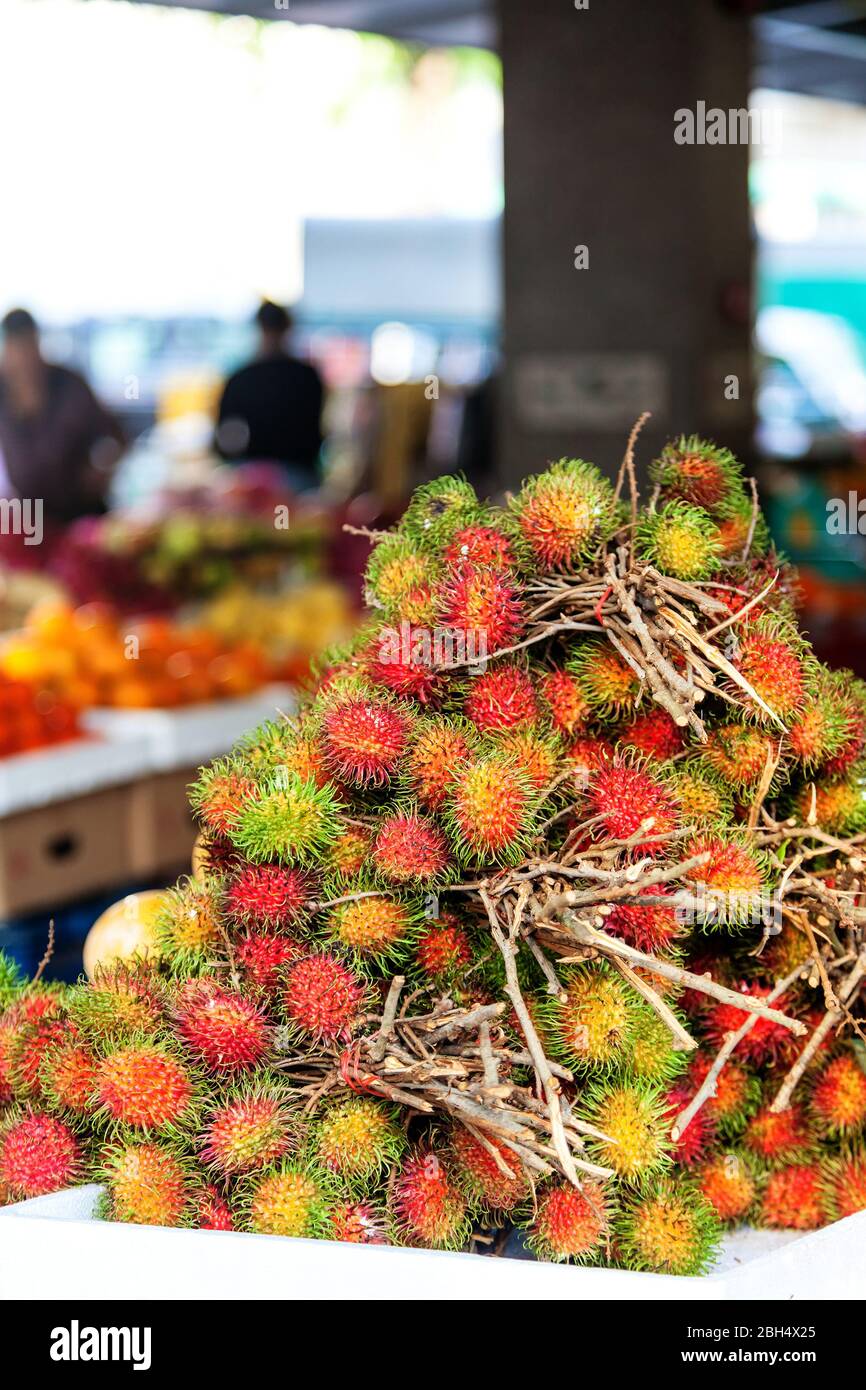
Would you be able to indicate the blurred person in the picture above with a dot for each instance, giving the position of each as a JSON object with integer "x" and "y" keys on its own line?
{"x": 58, "y": 443}
{"x": 271, "y": 409}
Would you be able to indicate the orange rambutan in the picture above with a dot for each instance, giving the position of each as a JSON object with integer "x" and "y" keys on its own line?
{"x": 32, "y": 1044}
{"x": 569, "y": 708}
{"x": 374, "y": 928}
{"x": 146, "y": 1184}
{"x": 729, "y": 1183}
{"x": 838, "y": 1099}
{"x": 570, "y": 1223}
{"x": 322, "y": 997}
{"x": 358, "y": 1139}
{"x": 38, "y": 1154}
{"x": 227, "y": 1031}
{"x": 410, "y": 848}
{"x": 490, "y": 811}
{"x": 482, "y": 1168}
{"x": 769, "y": 657}
{"x": 606, "y": 681}
{"x": 440, "y": 748}
{"x": 68, "y": 1076}
{"x": 779, "y": 1137}
{"x": 739, "y": 753}
{"x": 219, "y": 793}
{"x": 347, "y": 855}
{"x": 736, "y": 1094}
{"x": 501, "y": 698}
{"x": 563, "y": 513}
{"x": 731, "y": 884}
{"x": 427, "y": 1205}
{"x": 793, "y": 1198}
{"x": 247, "y": 1131}
{"x": 364, "y": 739}
{"x": 836, "y": 807}
{"x": 850, "y": 700}
{"x": 697, "y": 471}
{"x": 845, "y": 1184}
{"x": 143, "y": 1086}
{"x": 537, "y": 755}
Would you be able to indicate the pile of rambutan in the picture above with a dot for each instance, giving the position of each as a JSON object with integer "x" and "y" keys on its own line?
{"x": 540, "y": 923}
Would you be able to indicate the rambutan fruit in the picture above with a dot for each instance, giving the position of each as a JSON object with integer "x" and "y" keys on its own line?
{"x": 696, "y": 1141}
{"x": 564, "y": 513}
{"x": 188, "y": 927}
{"x": 626, "y": 793}
{"x": 586, "y": 753}
{"x": 358, "y": 1139}
{"x": 736, "y": 1096}
{"x": 364, "y": 738}
{"x": 262, "y": 957}
{"x": 482, "y": 605}
{"x": 785, "y": 950}
{"x": 771, "y": 656}
{"x": 738, "y": 527}
{"x": 438, "y": 510}
{"x": 410, "y": 849}
{"x": 285, "y": 746}
{"x": 632, "y": 1115}
{"x": 322, "y": 997}
{"x": 439, "y": 749}
{"x": 403, "y": 662}
{"x": 491, "y": 811}
{"x": 766, "y": 1040}
{"x": 290, "y": 1200}
{"x": 729, "y": 1183}
{"x": 227, "y": 1031}
{"x": 793, "y": 1198}
{"x": 844, "y": 1186}
{"x": 536, "y": 754}
{"x": 68, "y": 1076}
{"x": 648, "y": 927}
{"x": 359, "y": 1223}
{"x": 395, "y": 570}
{"x": 31, "y": 1045}
{"x": 569, "y": 708}
{"x": 443, "y": 950}
{"x": 287, "y": 820}
{"x": 701, "y": 796}
{"x": 144, "y": 1086}
{"x": 122, "y": 1000}
{"x": 212, "y": 1211}
{"x": 570, "y": 1223}
{"x": 819, "y": 729}
{"x": 838, "y": 1098}
{"x": 347, "y": 855}
{"x": 266, "y": 896}
{"x": 38, "y": 1154}
{"x": 589, "y": 1027}
{"x": 12, "y": 981}
{"x": 731, "y": 884}
{"x": 672, "y": 1229}
{"x": 488, "y": 546}
{"x": 147, "y": 1185}
{"x": 219, "y": 794}
{"x": 653, "y": 734}
{"x": 695, "y": 470}
{"x": 851, "y": 702}
{"x": 651, "y": 1055}
{"x": 605, "y": 680}
{"x": 680, "y": 540}
{"x": 837, "y": 807}
{"x": 428, "y": 1207}
{"x": 374, "y": 929}
{"x": 502, "y": 698}
{"x": 492, "y": 1173}
{"x": 739, "y": 753}
{"x": 247, "y": 1131}
{"x": 779, "y": 1137}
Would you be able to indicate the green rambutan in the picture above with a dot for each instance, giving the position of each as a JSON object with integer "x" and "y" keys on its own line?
{"x": 844, "y": 1185}
{"x": 651, "y": 1055}
{"x": 122, "y": 1000}
{"x": 570, "y": 1223}
{"x": 779, "y": 1137}
{"x": 12, "y": 981}
{"x": 739, "y": 754}
{"x": 697, "y": 471}
{"x": 144, "y": 1086}
{"x": 438, "y": 510}
{"x": 632, "y": 1115}
{"x": 605, "y": 680}
{"x": 440, "y": 747}
{"x": 729, "y": 1182}
{"x": 38, "y": 1154}
{"x": 838, "y": 1098}
{"x": 502, "y": 698}
{"x": 491, "y": 811}
{"x": 483, "y": 603}
{"x": 428, "y": 1207}
{"x": 287, "y": 820}
{"x": 626, "y": 793}
{"x": 680, "y": 540}
{"x": 147, "y": 1184}
{"x": 793, "y": 1198}
{"x": 569, "y": 707}
{"x": 702, "y": 797}
{"x": 410, "y": 849}
{"x": 227, "y": 1031}
{"x": 564, "y": 513}
{"x": 672, "y": 1229}
{"x": 322, "y": 997}
{"x": 246, "y": 1131}
{"x": 588, "y": 1028}
{"x": 491, "y": 1172}
{"x": 358, "y": 1139}
{"x": 395, "y": 570}
{"x": 375, "y": 928}
{"x": 188, "y": 927}
{"x": 364, "y": 738}
{"x": 267, "y": 896}
{"x": 289, "y": 1200}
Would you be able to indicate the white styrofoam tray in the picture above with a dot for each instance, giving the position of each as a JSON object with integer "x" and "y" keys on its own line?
{"x": 52, "y": 1248}
{"x": 193, "y": 734}
{"x": 65, "y": 770}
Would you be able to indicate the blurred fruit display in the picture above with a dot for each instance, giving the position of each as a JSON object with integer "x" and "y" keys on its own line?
{"x": 31, "y": 718}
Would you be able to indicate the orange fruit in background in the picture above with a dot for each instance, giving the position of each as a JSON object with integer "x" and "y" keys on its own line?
{"x": 125, "y": 930}
{"x": 131, "y": 693}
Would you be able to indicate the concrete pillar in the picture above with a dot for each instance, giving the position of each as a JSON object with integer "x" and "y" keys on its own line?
{"x": 660, "y": 317}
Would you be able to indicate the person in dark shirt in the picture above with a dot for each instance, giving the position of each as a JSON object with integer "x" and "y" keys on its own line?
{"x": 271, "y": 409}
{"x": 58, "y": 442}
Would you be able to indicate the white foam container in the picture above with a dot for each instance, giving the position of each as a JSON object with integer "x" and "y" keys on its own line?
{"x": 53, "y": 1248}
{"x": 194, "y": 734}
{"x": 65, "y": 770}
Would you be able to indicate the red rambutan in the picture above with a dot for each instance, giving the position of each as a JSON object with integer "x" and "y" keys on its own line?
{"x": 364, "y": 740}
{"x": 647, "y": 928}
{"x": 502, "y": 698}
{"x": 322, "y": 997}
{"x": 736, "y": 1096}
{"x": 697, "y": 1139}
{"x": 266, "y": 895}
{"x": 571, "y": 1223}
{"x": 428, "y": 1207}
{"x": 359, "y": 1223}
{"x": 845, "y": 1184}
{"x": 443, "y": 949}
{"x": 779, "y": 1137}
{"x": 773, "y": 666}
{"x": 484, "y": 603}
{"x": 792, "y": 1198}
{"x": 480, "y": 545}
{"x": 38, "y": 1154}
{"x": 228, "y": 1032}
{"x": 568, "y": 705}
{"x": 212, "y": 1211}
{"x": 262, "y": 956}
{"x": 627, "y": 793}
{"x": 654, "y": 734}
{"x": 410, "y": 848}
{"x": 765, "y": 1041}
